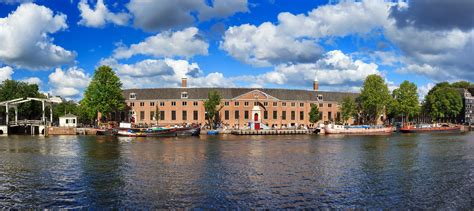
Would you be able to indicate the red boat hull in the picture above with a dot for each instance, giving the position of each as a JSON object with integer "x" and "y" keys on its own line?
{"x": 431, "y": 130}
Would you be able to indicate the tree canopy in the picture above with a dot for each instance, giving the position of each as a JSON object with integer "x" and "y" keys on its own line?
{"x": 405, "y": 100}
{"x": 104, "y": 93}
{"x": 348, "y": 108}
{"x": 443, "y": 101}
{"x": 374, "y": 98}
{"x": 314, "y": 114}
{"x": 11, "y": 89}
{"x": 212, "y": 106}
{"x": 462, "y": 84}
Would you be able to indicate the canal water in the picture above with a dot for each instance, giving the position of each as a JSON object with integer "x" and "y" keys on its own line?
{"x": 398, "y": 171}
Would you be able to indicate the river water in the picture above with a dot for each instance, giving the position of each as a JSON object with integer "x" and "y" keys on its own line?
{"x": 398, "y": 171}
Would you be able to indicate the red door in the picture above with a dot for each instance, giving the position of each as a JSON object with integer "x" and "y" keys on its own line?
{"x": 255, "y": 118}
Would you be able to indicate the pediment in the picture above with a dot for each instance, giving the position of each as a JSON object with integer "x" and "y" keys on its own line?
{"x": 255, "y": 94}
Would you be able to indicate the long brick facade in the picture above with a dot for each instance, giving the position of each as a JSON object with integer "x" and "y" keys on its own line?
{"x": 279, "y": 107}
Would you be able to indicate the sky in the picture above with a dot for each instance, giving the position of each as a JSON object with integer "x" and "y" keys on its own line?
{"x": 58, "y": 44}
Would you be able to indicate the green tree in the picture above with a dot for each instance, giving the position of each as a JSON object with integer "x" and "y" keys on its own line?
{"x": 104, "y": 93}
{"x": 374, "y": 98}
{"x": 405, "y": 100}
{"x": 443, "y": 102}
{"x": 11, "y": 89}
{"x": 348, "y": 108}
{"x": 65, "y": 108}
{"x": 462, "y": 84}
{"x": 212, "y": 106}
{"x": 157, "y": 114}
{"x": 314, "y": 114}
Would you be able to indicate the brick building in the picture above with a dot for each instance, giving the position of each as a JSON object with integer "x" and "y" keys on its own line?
{"x": 467, "y": 113}
{"x": 186, "y": 105}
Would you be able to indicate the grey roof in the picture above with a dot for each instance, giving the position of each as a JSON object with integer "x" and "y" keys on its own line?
{"x": 68, "y": 116}
{"x": 230, "y": 93}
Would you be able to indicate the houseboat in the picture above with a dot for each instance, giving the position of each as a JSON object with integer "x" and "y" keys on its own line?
{"x": 357, "y": 129}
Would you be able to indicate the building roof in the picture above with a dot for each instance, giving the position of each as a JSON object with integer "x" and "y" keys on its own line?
{"x": 231, "y": 93}
{"x": 68, "y": 116}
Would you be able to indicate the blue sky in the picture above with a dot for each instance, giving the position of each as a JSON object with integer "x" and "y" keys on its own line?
{"x": 234, "y": 43}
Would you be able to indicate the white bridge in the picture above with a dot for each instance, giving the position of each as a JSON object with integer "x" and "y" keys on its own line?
{"x": 33, "y": 124}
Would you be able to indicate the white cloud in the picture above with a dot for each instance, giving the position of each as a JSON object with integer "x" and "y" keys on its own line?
{"x": 99, "y": 16}
{"x": 32, "y": 80}
{"x": 154, "y": 15}
{"x": 265, "y": 45}
{"x": 185, "y": 43}
{"x": 25, "y": 40}
{"x": 68, "y": 83}
{"x": 6, "y": 73}
{"x": 294, "y": 38}
{"x": 15, "y": 1}
{"x": 334, "y": 69}
{"x": 164, "y": 73}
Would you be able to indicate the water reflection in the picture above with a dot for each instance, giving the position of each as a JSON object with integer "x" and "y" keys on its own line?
{"x": 400, "y": 171}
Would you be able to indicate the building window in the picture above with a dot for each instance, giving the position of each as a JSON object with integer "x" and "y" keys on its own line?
{"x": 321, "y": 114}
{"x": 293, "y": 104}
{"x": 283, "y": 115}
{"x": 162, "y": 103}
{"x": 142, "y": 115}
{"x": 275, "y": 104}
{"x": 226, "y": 103}
{"x": 246, "y": 103}
{"x": 142, "y": 104}
{"x": 195, "y": 103}
{"x": 132, "y": 96}
{"x": 246, "y": 114}
{"x": 173, "y": 103}
{"x": 329, "y": 115}
{"x": 301, "y": 104}
{"x": 67, "y": 121}
{"x": 226, "y": 115}
{"x": 321, "y": 105}
{"x": 338, "y": 116}
{"x": 184, "y": 95}
{"x": 152, "y": 103}
{"x": 152, "y": 115}
{"x": 195, "y": 115}
{"x": 184, "y": 103}
{"x": 236, "y": 115}
{"x": 320, "y": 97}
{"x": 301, "y": 115}
{"x": 173, "y": 115}
{"x": 255, "y": 103}
{"x": 265, "y": 103}
{"x": 275, "y": 114}
{"x": 293, "y": 115}
{"x": 329, "y": 105}
{"x": 185, "y": 115}
{"x": 283, "y": 104}
{"x": 236, "y": 103}
{"x": 265, "y": 114}
{"x": 132, "y": 104}
{"x": 162, "y": 115}
{"x": 73, "y": 121}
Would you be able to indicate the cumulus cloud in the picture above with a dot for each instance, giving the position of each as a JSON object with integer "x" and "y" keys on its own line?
{"x": 6, "y": 73}
{"x": 294, "y": 38}
{"x": 68, "y": 83}
{"x": 32, "y": 80}
{"x": 164, "y": 73}
{"x": 25, "y": 40}
{"x": 100, "y": 15}
{"x": 265, "y": 45}
{"x": 154, "y": 15}
{"x": 185, "y": 43}
{"x": 423, "y": 90}
{"x": 15, "y": 1}
{"x": 333, "y": 70}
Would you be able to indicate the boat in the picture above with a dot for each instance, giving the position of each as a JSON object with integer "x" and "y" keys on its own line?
{"x": 131, "y": 133}
{"x": 189, "y": 131}
{"x": 160, "y": 132}
{"x": 212, "y": 132}
{"x": 430, "y": 128}
{"x": 358, "y": 129}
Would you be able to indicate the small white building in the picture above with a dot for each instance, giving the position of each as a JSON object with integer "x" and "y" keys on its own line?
{"x": 68, "y": 120}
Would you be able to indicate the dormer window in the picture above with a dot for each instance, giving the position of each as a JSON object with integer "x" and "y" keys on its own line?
{"x": 184, "y": 95}
{"x": 132, "y": 96}
{"x": 320, "y": 97}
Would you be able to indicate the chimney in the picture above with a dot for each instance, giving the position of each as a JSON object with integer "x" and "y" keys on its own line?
{"x": 184, "y": 82}
{"x": 315, "y": 84}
